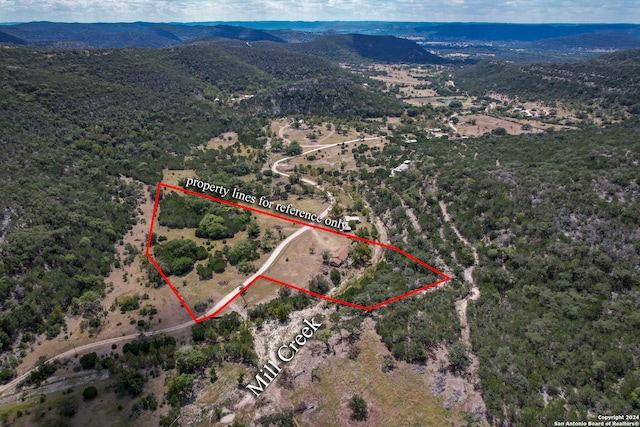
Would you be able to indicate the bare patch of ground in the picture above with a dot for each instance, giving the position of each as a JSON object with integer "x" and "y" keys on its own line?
{"x": 225, "y": 140}
{"x": 479, "y": 124}
{"x": 173, "y": 177}
{"x": 332, "y": 158}
{"x": 325, "y": 379}
{"x": 458, "y": 391}
{"x": 309, "y": 135}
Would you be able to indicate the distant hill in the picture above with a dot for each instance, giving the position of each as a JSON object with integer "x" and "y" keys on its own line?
{"x": 599, "y": 40}
{"x": 8, "y": 38}
{"x": 117, "y": 35}
{"x": 338, "y": 41}
{"x": 225, "y": 31}
{"x": 358, "y": 47}
{"x": 345, "y": 41}
{"x": 610, "y": 80}
{"x": 346, "y": 47}
{"x": 324, "y": 96}
{"x": 515, "y": 32}
{"x": 441, "y": 31}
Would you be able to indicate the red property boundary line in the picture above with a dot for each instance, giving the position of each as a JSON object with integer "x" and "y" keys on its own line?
{"x": 295, "y": 221}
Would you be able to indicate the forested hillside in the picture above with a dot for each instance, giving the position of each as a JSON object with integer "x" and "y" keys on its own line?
{"x": 359, "y": 47}
{"x": 557, "y": 230}
{"x": 554, "y": 218}
{"x": 336, "y": 97}
{"x": 72, "y": 123}
{"x": 120, "y": 35}
{"x": 608, "y": 81}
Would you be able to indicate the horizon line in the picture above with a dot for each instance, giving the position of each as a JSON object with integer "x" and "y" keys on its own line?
{"x": 315, "y": 21}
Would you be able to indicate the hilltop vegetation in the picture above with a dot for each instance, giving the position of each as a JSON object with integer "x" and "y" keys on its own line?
{"x": 75, "y": 121}
{"x": 120, "y": 35}
{"x": 325, "y": 97}
{"x": 606, "y": 82}
{"x": 555, "y": 224}
{"x": 553, "y": 216}
{"x": 360, "y": 47}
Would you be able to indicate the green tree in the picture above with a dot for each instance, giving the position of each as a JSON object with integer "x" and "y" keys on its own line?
{"x": 253, "y": 230}
{"x": 179, "y": 387}
{"x": 335, "y": 277}
{"x": 326, "y": 256}
{"x": 129, "y": 381}
{"x": 336, "y": 211}
{"x": 458, "y": 357}
{"x": 319, "y": 285}
{"x": 358, "y": 408}
{"x": 294, "y": 149}
{"x": 219, "y": 265}
{"x": 90, "y": 393}
{"x": 204, "y": 272}
{"x": 88, "y": 361}
{"x": 375, "y": 235}
{"x": 181, "y": 266}
{"x": 361, "y": 254}
{"x": 212, "y": 227}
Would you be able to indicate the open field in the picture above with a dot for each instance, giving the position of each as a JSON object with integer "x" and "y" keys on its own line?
{"x": 302, "y": 259}
{"x": 225, "y": 140}
{"x": 283, "y": 129}
{"x": 406, "y": 79}
{"x": 173, "y": 177}
{"x": 331, "y": 158}
{"x": 399, "y": 397}
{"x": 208, "y": 292}
{"x": 478, "y": 124}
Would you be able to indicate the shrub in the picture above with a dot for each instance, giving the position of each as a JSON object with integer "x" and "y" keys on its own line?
{"x": 319, "y": 285}
{"x": 358, "y": 408}
{"x": 88, "y": 361}
{"x": 90, "y": 393}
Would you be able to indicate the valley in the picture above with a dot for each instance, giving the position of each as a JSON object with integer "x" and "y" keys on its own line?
{"x": 517, "y": 180}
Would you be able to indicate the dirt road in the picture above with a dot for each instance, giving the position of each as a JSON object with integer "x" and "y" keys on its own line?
{"x": 221, "y": 303}
{"x": 474, "y": 294}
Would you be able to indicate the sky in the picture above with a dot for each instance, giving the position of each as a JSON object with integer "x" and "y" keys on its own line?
{"x": 515, "y": 11}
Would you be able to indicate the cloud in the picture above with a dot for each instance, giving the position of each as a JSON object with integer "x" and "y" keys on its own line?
{"x": 311, "y": 10}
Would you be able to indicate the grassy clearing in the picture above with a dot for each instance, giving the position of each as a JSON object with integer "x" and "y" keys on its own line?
{"x": 173, "y": 177}
{"x": 478, "y": 124}
{"x": 227, "y": 139}
{"x": 333, "y": 158}
{"x": 401, "y": 397}
{"x": 193, "y": 290}
{"x": 107, "y": 409}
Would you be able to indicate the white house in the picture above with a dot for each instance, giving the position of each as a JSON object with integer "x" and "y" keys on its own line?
{"x": 401, "y": 168}
{"x": 355, "y": 219}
